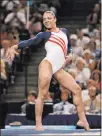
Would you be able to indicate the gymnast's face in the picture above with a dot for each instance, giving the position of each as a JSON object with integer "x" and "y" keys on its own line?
{"x": 49, "y": 20}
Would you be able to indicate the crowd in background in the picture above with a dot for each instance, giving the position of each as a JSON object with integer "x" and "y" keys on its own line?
{"x": 14, "y": 28}
{"x": 86, "y": 49}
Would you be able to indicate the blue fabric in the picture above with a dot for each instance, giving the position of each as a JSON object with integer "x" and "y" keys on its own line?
{"x": 94, "y": 120}
{"x": 42, "y": 36}
{"x": 29, "y": 132}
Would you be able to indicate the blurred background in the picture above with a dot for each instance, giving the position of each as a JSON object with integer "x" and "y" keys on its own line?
{"x": 21, "y": 20}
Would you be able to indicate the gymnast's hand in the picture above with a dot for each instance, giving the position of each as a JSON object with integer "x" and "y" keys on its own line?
{"x": 68, "y": 60}
{"x": 11, "y": 52}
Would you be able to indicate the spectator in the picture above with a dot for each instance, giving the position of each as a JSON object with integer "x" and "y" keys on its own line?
{"x": 90, "y": 83}
{"x": 9, "y": 4}
{"x": 3, "y": 78}
{"x": 15, "y": 32}
{"x": 3, "y": 75}
{"x": 82, "y": 73}
{"x": 91, "y": 32}
{"x": 76, "y": 49}
{"x": 24, "y": 34}
{"x": 35, "y": 28}
{"x": 31, "y": 98}
{"x": 36, "y": 16}
{"x": 15, "y": 18}
{"x": 98, "y": 43}
{"x": 9, "y": 63}
{"x": 92, "y": 65}
{"x": 35, "y": 23}
{"x": 64, "y": 107}
{"x": 93, "y": 18}
{"x": 92, "y": 105}
{"x": 87, "y": 56}
{"x": 3, "y": 34}
{"x": 12, "y": 38}
{"x": 98, "y": 97}
{"x": 96, "y": 76}
{"x": 92, "y": 47}
{"x": 5, "y": 46}
{"x": 72, "y": 72}
{"x": 82, "y": 41}
{"x": 99, "y": 64}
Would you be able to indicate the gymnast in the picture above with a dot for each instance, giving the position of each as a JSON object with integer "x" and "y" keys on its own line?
{"x": 57, "y": 46}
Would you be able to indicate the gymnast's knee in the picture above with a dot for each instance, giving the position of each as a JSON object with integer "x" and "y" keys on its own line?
{"x": 77, "y": 96}
{"x": 42, "y": 95}
{"x": 43, "y": 87}
{"x": 77, "y": 90}
{"x": 44, "y": 82}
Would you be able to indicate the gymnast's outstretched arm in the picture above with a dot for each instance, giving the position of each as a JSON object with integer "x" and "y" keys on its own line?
{"x": 33, "y": 41}
{"x": 26, "y": 43}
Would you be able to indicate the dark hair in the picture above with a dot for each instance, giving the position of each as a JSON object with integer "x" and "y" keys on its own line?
{"x": 96, "y": 72}
{"x": 33, "y": 93}
{"x": 48, "y": 11}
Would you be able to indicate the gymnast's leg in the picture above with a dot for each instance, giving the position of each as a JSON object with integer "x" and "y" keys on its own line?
{"x": 66, "y": 80}
{"x": 45, "y": 75}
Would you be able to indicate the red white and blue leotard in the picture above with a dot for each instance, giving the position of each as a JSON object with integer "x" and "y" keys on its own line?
{"x": 57, "y": 46}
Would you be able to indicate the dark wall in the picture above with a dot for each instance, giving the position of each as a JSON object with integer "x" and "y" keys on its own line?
{"x": 66, "y": 7}
{"x": 6, "y": 108}
{"x": 3, "y": 112}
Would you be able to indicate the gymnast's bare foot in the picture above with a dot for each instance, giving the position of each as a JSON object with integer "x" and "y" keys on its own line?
{"x": 39, "y": 128}
{"x": 85, "y": 125}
